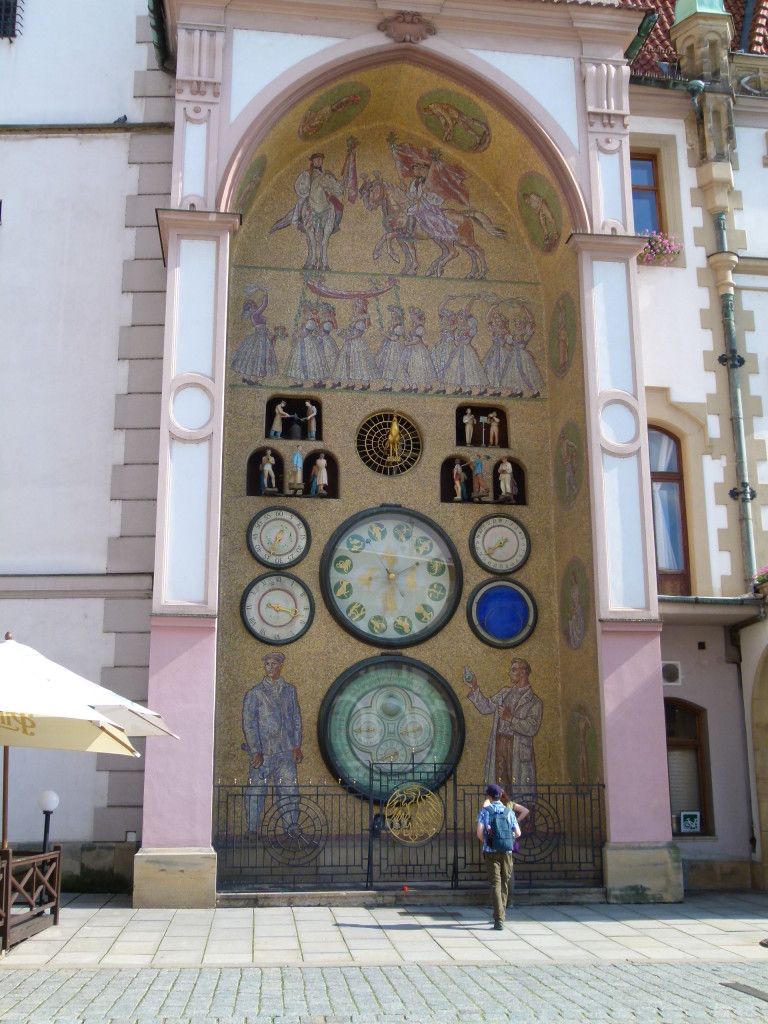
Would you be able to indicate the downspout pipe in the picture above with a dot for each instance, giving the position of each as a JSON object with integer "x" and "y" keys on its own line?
{"x": 163, "y": 54}
{"x": 645, "y": 29}
{"x": 733, "y": 361}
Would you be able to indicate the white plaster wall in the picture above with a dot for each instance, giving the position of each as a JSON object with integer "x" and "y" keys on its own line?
{"x": 73, "y": 63}
{"x": 670, "y": 298}
{"x": 69, "y": 632}
{"x": 753, "y": 292}
{"x": 750, "y": 180}
{"x": 62, "y": 245}
{"x": 711, "y": 683}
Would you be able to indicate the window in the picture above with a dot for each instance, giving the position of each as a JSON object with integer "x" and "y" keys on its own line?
{"x": 10, "y": 18}
{"x": 669, "y": 524}
{"x": 645, "y": 193}
{"x": 687, "y": 762}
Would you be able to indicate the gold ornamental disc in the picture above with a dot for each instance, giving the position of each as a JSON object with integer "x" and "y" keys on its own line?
{"x": 414, "y": 814}
{"x": 388, "y": 443}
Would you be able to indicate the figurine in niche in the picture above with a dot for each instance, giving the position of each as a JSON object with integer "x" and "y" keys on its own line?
{"x": 268, "y": 484}
{"x": 480, "y": 489}
{"x": 311, "y": 420}
{"x": 319, "y": 476}
{"x": 255, "y": 357}
{"x": 493, "y": 428}
{"x": 276, "y": 430}
{"x": 507, "y": 485}
{"x": 297, "y": 480}
{"x": 459, "y": 481}
{"x": 469, "y": 421}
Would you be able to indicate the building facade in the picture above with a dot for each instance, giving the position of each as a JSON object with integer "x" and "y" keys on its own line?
{"x": 378, "y": 431}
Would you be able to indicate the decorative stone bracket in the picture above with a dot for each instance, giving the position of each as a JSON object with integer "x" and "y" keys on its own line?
{"x": 407, "y": 27}
{"x": 199, "y": 66}
{"x": 607, "y": 94}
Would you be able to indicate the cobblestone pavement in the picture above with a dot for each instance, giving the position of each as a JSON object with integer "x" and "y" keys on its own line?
{"x": 697, "y": 962}
{"x": 626, "y": 993}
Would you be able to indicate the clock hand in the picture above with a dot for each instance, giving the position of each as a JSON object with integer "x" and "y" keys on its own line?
{"x": 293, "y": 612}
{"x": 497, "y": 545}
{"x": 277, "y": 540}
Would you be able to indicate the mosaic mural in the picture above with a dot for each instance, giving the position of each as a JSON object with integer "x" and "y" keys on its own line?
{"x": 402, "y": 249}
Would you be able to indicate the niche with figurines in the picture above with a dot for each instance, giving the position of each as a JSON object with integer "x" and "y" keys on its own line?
{"x": 294, "y": 418}
{"x": 264, "y": 474}
{"x": 481, "y": 426}
{"x": 477, "y": 479}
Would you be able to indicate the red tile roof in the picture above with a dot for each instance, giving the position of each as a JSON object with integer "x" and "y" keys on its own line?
{"x": 659, "y": 48}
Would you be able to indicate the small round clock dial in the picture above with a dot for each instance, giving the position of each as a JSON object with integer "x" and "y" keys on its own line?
{"x": 499, "y": 543}
{"x": 501, "y": 613}
{"x": 277, "y": 608}
{"x": 278, "y": 536}
{"x": 391, "y": 576}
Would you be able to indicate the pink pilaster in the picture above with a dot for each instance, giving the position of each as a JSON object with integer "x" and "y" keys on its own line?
{"x": 635, "y": 749}
{"x": 178, "y": 774}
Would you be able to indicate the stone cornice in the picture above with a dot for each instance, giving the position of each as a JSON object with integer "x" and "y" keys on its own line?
{"x": 607, "y": 246}
{"x": 604, "y": 29}
{"x": 15, "y": 588}
{"x": 194, "y": 222}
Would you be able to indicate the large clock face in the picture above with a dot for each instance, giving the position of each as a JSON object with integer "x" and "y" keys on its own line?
{"x": 390, "y": 576}
{"x": 277, "y": 608}
{"x": 396, "y": 714}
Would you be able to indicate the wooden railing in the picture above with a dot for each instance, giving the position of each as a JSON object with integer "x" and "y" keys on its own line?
{"x": 30, "y": 893}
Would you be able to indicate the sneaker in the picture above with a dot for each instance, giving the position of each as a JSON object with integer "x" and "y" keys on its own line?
{"x": 498, "y": 926}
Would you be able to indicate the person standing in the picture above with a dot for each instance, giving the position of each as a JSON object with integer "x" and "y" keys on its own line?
{"x": 498, "y": 863}
{"x": 517, "y": 713}
{"x": 272, "y": 728}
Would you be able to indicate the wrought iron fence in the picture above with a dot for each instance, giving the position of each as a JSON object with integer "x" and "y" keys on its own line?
{"x": 324, "y": 837}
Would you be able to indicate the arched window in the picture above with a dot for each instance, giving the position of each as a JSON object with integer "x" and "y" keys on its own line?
{"x": 669, "y": 524}
{"x": 688, "y": 765}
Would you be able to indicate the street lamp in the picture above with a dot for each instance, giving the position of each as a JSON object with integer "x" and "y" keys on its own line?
{"x": 48, "y": 801}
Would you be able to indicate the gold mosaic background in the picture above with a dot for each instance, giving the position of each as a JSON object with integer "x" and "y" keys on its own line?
{"x": 526, "y": 264}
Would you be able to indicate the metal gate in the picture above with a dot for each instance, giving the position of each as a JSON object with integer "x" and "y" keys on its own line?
{"x": 400, "y": 832}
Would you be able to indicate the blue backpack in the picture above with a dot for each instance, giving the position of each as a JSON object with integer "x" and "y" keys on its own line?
{"x": 500, "y": 835}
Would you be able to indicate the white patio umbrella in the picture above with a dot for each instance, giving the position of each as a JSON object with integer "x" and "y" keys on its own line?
{"x": 24, "y": 667}
{"x": 44, "y": 705}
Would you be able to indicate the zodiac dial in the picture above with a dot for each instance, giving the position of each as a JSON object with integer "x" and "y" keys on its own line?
{"x": 390, "y": 576}
{"x": 278, "y": 536}
{"x": 277, "y": 608}
{"x": 388, "y": 443}
{"x": 396, "y": 714}
{"x": 499, "y": 543}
